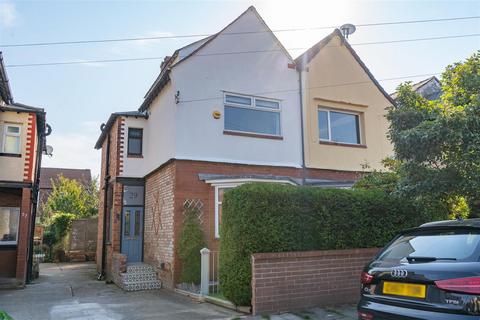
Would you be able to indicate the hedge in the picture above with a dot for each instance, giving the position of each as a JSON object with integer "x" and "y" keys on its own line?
{"x": 265, "y": 217}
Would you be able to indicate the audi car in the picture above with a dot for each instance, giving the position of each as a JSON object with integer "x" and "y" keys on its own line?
{"x": 430, "y": 272}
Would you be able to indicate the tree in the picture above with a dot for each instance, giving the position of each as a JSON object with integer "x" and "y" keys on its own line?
{"x": 437, "y": 143}
{"x": 69, "y": 196}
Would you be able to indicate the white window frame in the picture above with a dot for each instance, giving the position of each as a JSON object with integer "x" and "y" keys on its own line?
{"x": 6, "y": 133}
{"x": 320, "y": 108}
{"x": 228, "y": 184}
{"x": 9, "y": 243}
{"x": 253, "y": 106}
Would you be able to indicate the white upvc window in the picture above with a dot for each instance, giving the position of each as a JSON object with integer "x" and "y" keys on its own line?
{"x": 250, "y": 114}
{"x": 222, "y": 186}
{"x": 339, "y": 126}
{"x": 9, "y": 221}
{"x": 11, "y": 139}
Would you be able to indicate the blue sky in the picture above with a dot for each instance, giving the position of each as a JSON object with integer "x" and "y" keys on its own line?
{"x": 78, "y": 98}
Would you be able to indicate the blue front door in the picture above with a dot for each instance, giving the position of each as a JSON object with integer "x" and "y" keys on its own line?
{"x": 132, "y": 233}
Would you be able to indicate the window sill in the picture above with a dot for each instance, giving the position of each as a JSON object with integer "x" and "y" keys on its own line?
{"x": 134, "y": 156}
{"x": 341, "y": 144}
{"x": 13, "y": 155}
{"x": 252, "y": 135}
{"x": 8, "y": 246}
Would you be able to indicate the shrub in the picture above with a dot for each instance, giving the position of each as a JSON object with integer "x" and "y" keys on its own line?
{"x": 277, "y": 218}
{"x": 191, "y": 241}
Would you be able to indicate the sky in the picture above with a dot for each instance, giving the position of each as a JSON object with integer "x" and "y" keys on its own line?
{"x": 78, "y": 98}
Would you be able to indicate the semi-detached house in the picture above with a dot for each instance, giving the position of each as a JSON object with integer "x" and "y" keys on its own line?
{"x": 232, "y": 108}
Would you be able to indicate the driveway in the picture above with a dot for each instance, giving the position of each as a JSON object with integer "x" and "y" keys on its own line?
{"x": 70, "y": 291}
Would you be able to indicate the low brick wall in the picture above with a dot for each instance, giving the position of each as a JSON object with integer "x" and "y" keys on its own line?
{"x": 288, "y": 281}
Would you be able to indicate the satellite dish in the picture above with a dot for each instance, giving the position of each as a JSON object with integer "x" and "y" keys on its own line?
{"x": 348, "y": 29}
{"x": 48, "y": 150}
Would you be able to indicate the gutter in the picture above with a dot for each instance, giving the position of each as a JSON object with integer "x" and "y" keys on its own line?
{"x": 301, "y": 124}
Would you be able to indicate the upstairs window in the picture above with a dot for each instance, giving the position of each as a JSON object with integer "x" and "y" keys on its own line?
{"x": 336, "y": 126}
{"x": 11, "y": 139}
{"x": 250, "y": 114}
{"x": 135, "y": 137}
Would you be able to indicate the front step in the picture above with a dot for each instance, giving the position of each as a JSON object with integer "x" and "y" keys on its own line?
{"x": 139, "y": 276}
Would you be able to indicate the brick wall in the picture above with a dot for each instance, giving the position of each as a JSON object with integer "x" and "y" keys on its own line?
{"x": 115, "y": 167}
{"x": 24, "y": 235}
{"x": 160, "y": 223}
{"x": 296, "y": 280}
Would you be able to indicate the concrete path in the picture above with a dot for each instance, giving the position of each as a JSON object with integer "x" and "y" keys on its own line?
{"x": 70, "y": 291}
{"x": 347, "y": 312}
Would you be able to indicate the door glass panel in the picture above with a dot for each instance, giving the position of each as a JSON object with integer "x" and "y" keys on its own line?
{"x": 137, "y": 222}
{"x": 126, "y": 229}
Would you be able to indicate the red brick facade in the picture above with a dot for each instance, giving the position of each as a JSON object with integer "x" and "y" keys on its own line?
{"x": 296, "y": 280}
{"x": 115, "y": 207}
{"x": 169, "y": 187}
{"x": 160, "y": 222}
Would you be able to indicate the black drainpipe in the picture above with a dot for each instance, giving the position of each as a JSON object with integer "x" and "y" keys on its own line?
{"x": 34, "y": 198}
{"x": 105, "y": 207}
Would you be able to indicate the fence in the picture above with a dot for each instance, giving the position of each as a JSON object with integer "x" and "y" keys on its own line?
{"x": 81, "y": 242}
{"x": 210, "y": 270}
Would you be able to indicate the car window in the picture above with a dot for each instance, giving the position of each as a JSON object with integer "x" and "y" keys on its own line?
{"x": 460, "y": 245}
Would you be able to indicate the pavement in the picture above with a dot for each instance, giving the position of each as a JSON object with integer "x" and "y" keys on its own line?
{"x": 70, "y": 291}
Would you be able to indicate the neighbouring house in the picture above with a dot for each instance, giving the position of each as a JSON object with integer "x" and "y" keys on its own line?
{"x": 430, "y": 89}
{"x": 227, "y": 110}
{"x": 22, "y": 141}
{"x": 344, "y": 108}
{"x": 49, "y": 176}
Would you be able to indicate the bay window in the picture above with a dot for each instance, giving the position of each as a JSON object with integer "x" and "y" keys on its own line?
{"x": 9, "y": 221}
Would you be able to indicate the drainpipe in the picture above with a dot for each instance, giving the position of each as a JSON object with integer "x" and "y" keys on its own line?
{"x": 101, "y": 275}
{"x": 301, "y": 124}
{"x": 34, "y": 199}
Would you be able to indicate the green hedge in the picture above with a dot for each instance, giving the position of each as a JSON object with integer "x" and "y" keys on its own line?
{"x": 263, "y": 217}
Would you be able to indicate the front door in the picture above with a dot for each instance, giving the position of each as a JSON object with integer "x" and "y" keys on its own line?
{"x": 132, "y": 233}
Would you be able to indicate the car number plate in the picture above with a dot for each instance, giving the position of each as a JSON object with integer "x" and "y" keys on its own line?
{"x": 404, "y": 289}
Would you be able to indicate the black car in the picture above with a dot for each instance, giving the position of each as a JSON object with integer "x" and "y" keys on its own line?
{"x": 429, "y": 272}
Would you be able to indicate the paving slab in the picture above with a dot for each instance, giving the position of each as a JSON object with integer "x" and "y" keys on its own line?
{"x": 71, "y": 292}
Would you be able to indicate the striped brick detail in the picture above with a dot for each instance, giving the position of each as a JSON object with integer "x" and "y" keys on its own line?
{"x": 287, "y": 281}
{"x": 30, "y": 147}
{"x": 121, "y": 144}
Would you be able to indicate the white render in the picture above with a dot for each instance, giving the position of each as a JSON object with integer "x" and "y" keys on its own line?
{"x": 188, "y": 130}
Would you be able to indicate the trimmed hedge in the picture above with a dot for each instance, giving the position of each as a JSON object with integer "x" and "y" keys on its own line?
{"x": 265, "y": 217}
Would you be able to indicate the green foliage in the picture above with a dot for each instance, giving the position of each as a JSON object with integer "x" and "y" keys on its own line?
{"x": 437, "y": 143}
{"x": 4, "y": 316}
{"x": 191, "y": 241}
{"x": 61, "y": 223}
{"x": 277, "y": 218}
{"x": 70, "y": 196}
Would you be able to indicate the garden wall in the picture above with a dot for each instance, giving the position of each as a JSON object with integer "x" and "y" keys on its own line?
{"x": 285, "y": 281}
